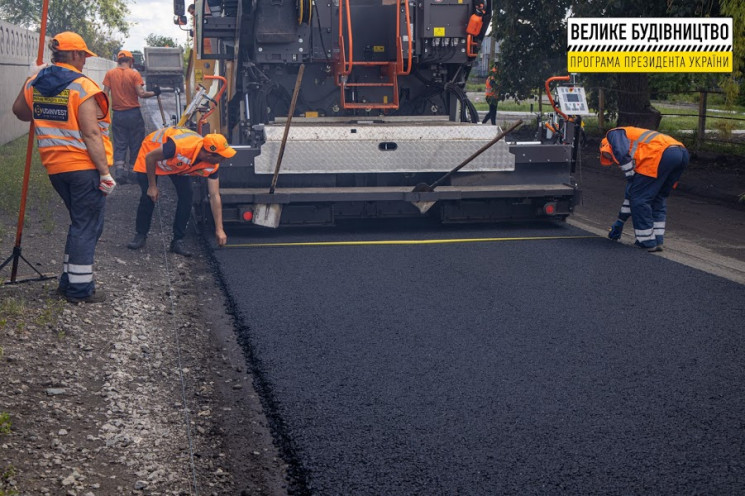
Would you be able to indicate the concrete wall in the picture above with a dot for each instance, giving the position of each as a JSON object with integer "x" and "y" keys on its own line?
{"x": 18, "y": 50}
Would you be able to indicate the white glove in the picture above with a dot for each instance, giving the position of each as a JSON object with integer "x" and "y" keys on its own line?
{"x": 628, "y": 168}
{"x": 33, "y": 69}
{"x": 107, "y": 184}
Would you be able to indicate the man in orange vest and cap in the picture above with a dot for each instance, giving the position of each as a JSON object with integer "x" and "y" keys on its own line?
{"x": 125, "y": 87}
{"x": 653, "y": 163}
{"x": 179, "y": 153}
{"x": 492, "y": 95}
{"x": 71, "y": 123}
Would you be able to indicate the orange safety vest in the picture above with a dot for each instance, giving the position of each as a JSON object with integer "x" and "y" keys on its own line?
{"x": 56, "y": 127}
{"x": 188, "y": 143}
{"x": 646, "y": 148}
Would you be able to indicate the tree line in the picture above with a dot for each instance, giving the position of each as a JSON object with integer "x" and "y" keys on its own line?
{"x": 533, "y": 40}
{"x": 102, "y": 23}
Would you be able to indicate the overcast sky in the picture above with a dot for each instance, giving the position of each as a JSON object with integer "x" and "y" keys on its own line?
{"x": 152, "y": 17}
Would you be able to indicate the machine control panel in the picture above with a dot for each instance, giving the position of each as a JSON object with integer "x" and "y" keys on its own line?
{"x": 572, "y": 100}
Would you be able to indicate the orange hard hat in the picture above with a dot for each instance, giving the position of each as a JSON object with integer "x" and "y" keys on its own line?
{"x": 124, "y": 54}
{"x": 68, "y": 41}
{"x": 216, "y": 143}
{"x": 606, "y": 153}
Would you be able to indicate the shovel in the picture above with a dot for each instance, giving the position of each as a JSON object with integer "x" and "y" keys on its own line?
{"x": 162, "y": 114}
{"x": 423, "y": 206}
{"x": 268, "y": 214}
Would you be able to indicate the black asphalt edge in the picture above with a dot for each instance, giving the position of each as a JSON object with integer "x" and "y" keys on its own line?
{"x": 298, "y": 484}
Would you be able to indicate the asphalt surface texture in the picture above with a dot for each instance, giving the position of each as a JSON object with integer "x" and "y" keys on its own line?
{"x": 513, "y": 359}
{"x": 540, "y": 359}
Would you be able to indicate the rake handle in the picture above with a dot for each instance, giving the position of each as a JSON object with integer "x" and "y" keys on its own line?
{"x": 287, "y": 127}
{"x": 476, "y": 154}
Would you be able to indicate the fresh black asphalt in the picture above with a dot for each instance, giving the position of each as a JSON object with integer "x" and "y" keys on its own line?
{"x": 526, "y": 366}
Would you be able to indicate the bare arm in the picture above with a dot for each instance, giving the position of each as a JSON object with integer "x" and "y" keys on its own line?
{"x": 88, "y": 121}
{"x": 142, "y": 93}
{"x": 213, "y": 188}
{"x": 20, "y": 107}
{"x": 107, "y": 90}
{"x": 150, "y": 163}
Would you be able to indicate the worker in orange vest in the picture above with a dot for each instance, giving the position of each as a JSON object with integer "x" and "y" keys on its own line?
{"x": 492, "y": 95}
{"x": 653, "y": 163}
{"x": 71, "y": 123}
{"x": 179, "y": 153}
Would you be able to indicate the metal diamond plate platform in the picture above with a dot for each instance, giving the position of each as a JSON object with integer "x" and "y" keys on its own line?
{"x": 361, "y": 148}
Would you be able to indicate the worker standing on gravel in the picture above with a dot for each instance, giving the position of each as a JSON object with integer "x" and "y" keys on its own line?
{"x": 179, "y": 153}
{"x": 653, "y": 163}
{"x": 71, "y": 123}
{"x": 125, "y": 86}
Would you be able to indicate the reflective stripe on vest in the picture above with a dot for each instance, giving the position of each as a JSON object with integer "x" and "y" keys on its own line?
{"x": 646, "y": 148}
{"x": 58, "y": 135}
{"x": 188, "y": 144}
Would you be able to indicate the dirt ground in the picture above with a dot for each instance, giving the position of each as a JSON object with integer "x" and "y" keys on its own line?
{"x": 146, "y": 393}
{"x": 149, "y": 392}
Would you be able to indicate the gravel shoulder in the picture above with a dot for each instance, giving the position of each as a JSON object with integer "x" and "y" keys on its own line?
{"x": 146, "y": 393}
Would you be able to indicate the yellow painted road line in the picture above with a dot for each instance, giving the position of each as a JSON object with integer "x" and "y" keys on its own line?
{"x": 401, "y": 242}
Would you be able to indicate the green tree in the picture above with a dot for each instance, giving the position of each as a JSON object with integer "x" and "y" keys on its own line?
{"x": 156, "y": 40}
{"x": 532, "y": 37}
{"x": 97, "y": 21}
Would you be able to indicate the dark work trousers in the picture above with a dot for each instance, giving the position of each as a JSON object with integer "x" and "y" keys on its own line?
{"x": 128, "y": 130}
{"x": 648, "y": 196}
{"x": 491, "y": 115}
{"x": 86, "y": 204}
{"x": 183, "y": 205}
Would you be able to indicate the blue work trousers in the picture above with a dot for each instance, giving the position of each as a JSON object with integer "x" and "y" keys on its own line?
{"x": 183, "y": 205}
{"x": 648, "y": 196}
{"x": 86, "y": 204}
{"x": 128, "y": 130}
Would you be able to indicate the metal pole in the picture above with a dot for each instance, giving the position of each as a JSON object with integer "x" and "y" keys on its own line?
{"x": 29, "y": 151}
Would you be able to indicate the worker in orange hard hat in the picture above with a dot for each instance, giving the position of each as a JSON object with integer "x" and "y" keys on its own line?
{"x": 492, "y": 95}
{"x": 125, "y": 87}
{"x": 179, "y": 153}
{"x": 653, "y": 163}
{"x": 71, "y": 122}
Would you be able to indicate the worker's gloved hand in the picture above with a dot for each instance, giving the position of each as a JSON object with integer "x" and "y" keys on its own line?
{"x": 156, "y": 90}
{"x": 616, "y": 230}
{"x": 628, "y": 169}
{"x": 107, "y": 184}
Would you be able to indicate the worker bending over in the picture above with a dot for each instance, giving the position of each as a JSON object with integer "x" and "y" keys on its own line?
{"x": 179, "y": 153}
{"x": 652, "y": 162}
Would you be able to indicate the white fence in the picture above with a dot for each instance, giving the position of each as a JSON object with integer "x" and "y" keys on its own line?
{"x": 18, "y": 50}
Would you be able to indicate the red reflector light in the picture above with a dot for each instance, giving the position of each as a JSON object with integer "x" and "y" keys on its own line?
{"x": 248, "y": 215}
{"x": 549, "y": 208}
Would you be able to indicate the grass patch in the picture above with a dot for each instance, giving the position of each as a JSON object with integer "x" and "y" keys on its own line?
{"x": 41, "y": 194}
{"x": 7, "y": 483}
{"x": 5, "y": 423}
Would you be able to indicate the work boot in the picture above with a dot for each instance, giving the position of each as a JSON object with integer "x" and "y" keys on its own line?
{"x": 98, "y": 296}
{"x": 137, "y": 242}
{"x": 649, "y": 247}
{"x": 179, "y": 248}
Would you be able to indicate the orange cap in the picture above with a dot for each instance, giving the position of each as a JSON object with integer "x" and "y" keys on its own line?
{"x": 69, "y": 42}
{"x": 123, "y": 54}
{"x": 216, "y": 143}
{"x": 606, "y": 153}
